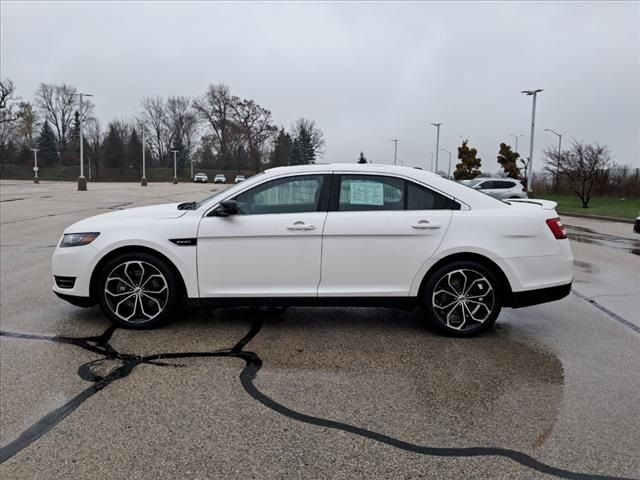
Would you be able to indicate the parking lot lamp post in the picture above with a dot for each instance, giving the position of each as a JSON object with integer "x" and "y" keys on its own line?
{"x": 437, "y": 125}
{"x": 431, "y": 162}
{"x": 175, "y": 168}
{"x": 35, "y": 165}
{"x": 82, "y": 181}
{"x": 191, "y": 168}
{"x": 449, "y": 170}
{"x": 395, "y": 151}
{"x": 516, "y": 137}
{"x": 555, "y": 176}
{"x": 534, "y": 94}
{"x": 143, "y": 181}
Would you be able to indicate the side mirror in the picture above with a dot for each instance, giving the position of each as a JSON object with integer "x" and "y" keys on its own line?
{"x": 226, "y": 208}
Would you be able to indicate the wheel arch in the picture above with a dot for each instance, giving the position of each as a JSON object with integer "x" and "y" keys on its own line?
{"x": 505, "y": 286}
{"x": 133, "y": 249}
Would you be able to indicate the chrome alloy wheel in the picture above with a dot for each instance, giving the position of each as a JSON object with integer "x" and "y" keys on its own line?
{"x": 136, "y": 291}
{"x": 463, "y": 299}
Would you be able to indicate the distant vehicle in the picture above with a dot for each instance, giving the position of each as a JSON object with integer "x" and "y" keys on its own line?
{"x": 343, "y": 235}
{"x": 636, "y": 225}
{"x": 501, "y": 188}
{"x": 201, "y": 177}
{"x": 220, "y": 178}
{"x": 240, "y": 178}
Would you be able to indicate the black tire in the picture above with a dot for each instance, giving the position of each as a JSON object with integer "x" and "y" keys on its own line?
{"x": 121, "y": 292}
{"x": 453, "y": 314}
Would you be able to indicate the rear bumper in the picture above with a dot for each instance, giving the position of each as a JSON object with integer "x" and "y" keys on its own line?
{"x": 75, "y": 300}
{"x": 536, "y": 297}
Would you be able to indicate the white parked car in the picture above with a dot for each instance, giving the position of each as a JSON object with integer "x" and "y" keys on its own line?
{"x": 219, "y": 178}
{"x": 240, "y": 178}
{"x": 502, "y": 188}
{"x": 201, "y": 177}
{"x": 337, "y": 234}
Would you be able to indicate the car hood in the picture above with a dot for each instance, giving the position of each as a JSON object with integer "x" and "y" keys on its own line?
{"x": 136, "y": 215}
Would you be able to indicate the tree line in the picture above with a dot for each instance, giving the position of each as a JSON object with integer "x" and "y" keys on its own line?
{"x": 216, "y": 130}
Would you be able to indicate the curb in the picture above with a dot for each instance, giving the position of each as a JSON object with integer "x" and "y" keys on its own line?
{"x": 597, "y": 217}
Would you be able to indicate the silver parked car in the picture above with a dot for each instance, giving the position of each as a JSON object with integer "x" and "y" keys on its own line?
{"x": 220, "y": 178}
{"x": 502, "y": 188}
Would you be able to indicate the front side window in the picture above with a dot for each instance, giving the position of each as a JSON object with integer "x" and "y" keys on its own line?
{"x": 284, "y": 195}
{"x": 370, "y": 192}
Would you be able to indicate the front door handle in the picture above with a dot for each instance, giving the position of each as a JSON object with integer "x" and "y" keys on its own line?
{"x": 299, "y": 226}
{"x": 426, "y": 225}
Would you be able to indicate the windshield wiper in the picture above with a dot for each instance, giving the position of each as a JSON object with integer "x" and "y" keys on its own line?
{"x": 187, "y": 206}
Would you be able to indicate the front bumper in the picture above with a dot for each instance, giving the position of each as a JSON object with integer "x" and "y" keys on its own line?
{"x": 75, "y": 300}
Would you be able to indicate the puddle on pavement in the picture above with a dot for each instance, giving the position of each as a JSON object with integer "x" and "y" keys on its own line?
{"x": 586, "y": 235}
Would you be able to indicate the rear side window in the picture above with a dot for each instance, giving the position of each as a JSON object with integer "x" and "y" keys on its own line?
{"x": 370, "y": 192}
{"x": 421, "y": 198}
{"x": 373, "y": 192}
{"x": 503, "y": 184}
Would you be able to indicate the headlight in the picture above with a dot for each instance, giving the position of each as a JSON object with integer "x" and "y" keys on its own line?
{"x": 77, "y": 239}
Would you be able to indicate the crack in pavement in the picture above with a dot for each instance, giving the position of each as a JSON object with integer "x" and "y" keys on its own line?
{"x": 100, "y": 344}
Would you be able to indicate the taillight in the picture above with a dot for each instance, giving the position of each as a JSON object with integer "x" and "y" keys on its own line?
{"x": 557, "y": 228}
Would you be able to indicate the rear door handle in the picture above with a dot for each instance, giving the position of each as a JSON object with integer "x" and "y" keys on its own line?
{"x": 299, "y": 226}
{"x": 425, "y": 225}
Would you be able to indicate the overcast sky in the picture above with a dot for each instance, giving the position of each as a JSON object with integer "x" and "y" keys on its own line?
{"x": 365, "y": 72}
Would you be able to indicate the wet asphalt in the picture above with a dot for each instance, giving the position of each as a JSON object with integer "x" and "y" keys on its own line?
{"x": 552, "y": 392}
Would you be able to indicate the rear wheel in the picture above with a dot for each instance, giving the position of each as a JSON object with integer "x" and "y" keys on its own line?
{"x": 461, "y": 299}
{"x": 137, "y": 290}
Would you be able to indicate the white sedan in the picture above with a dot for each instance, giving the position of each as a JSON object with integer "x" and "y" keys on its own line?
{"x": 342, "y": 234}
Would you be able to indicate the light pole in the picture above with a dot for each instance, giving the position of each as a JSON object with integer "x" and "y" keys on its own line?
{"x": 82, "y": 181}
{"x": 533, "y": 93}
{"x": 555, "y": 177}
{"x": 437, "y": 125}
{"x": 175, "y": 169}
{"x": 143, "y": 180}
{"x": 395, "y": 151}
{"x": 431, "y": 162}
{"x": 35, "y": 165}
{"x": 516, "y": 137}
{"x": 191, "y": 168}
{"x": 449, "y": 170}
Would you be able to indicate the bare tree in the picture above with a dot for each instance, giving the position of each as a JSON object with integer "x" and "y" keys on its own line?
{"x": 58, "y": 104}
{"x": 582, "y": 165}
{"x": 181, "y": 120}
{"x": 94, "y": 139}
{"x": 9, "y": 103}
{"x": 254, "y": 124}
{"x": 154, "y": 116}
{"x": 216, "y": 108}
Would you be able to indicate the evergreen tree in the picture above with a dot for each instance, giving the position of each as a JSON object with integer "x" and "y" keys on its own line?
{"x": 48, "y": 146}
{"x": 114, "y": 148}
{"x": 71, "y": 154}
{"x": 281, "y": 154}
{"x": 469, "y": 166}
{"x": 134, "y": 152}
{"x": 362, "y": 158}
{"x": 508, "y": 159}
{"x": 180, "y": 155}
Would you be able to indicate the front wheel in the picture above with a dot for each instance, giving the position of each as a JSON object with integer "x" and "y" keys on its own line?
{"x": 137, "y": 290}
{"x": 461, "y": 299}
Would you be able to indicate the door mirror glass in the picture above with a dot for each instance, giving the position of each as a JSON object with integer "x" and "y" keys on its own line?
{"x": 226, "y": 208}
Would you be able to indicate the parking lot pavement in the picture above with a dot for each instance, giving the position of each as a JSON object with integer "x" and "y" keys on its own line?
{"x": 552, "y": 391}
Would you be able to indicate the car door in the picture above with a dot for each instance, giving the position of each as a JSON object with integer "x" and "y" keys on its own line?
{"x": 488, "y": 187}
{"x": 379, "y": 231}
{"x": 272, "y": 247}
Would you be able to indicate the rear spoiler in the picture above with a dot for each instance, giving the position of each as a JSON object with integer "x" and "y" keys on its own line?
{"x": 545, "y": 204}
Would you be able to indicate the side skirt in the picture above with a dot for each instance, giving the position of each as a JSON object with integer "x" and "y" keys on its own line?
{"x": 407, "y": 303}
